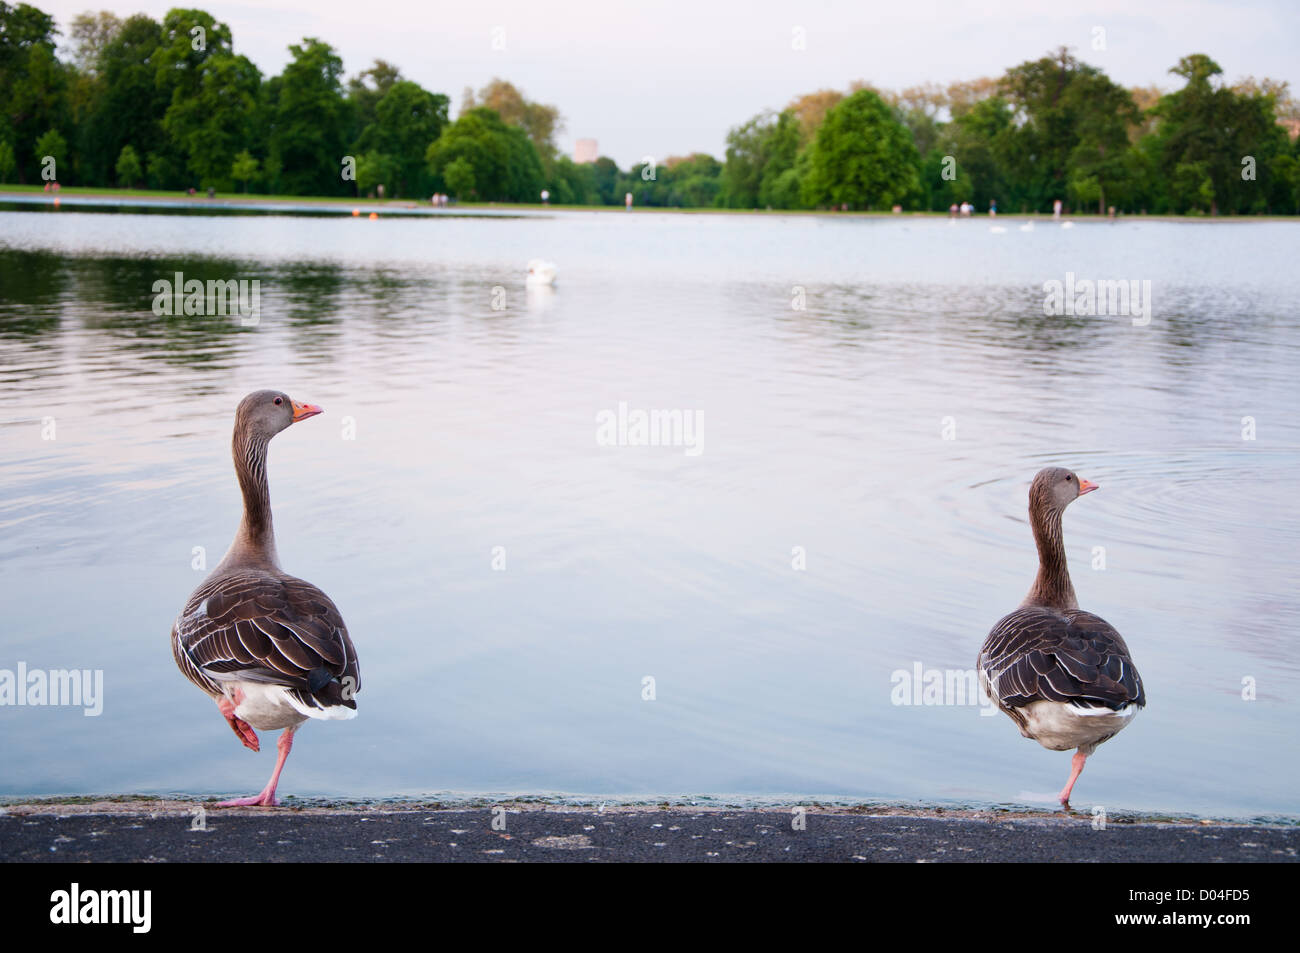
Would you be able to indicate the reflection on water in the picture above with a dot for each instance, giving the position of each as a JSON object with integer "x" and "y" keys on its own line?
{"x": 828, "y": 359}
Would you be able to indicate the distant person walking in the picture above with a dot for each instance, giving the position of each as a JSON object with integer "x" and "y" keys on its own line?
{"x": 627, "y": 201}
{"x": 1056, "y": 209}
{"x": 993, "y": 208}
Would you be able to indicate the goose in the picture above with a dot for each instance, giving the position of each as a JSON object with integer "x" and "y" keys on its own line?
{"x": 1028, "y": 226}
{"x": 541, "y": 272}
{"x": 1064, "y": 676}
{"x": 269, "y": 648}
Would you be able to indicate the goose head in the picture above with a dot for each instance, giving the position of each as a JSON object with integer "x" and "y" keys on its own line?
{"x": 1055, "y": 488}
{"x": 264, "y": 413}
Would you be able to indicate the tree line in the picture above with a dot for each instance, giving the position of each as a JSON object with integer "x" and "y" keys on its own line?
{"x": 168, "y": 105}
{"x": 1048, "y": 129}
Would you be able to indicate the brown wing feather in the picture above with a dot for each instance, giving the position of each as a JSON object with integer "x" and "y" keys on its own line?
{"x": 1065, "y": 655}
{"x": 267, "y": 627}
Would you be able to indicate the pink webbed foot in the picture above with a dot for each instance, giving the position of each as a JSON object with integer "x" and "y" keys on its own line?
{"x": 267, "y": 797}
{"x": 241, "y": 728}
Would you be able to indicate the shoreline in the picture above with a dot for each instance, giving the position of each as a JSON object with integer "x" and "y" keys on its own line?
{"x": 186, "y": 805}
{"x": 96, "y": 198}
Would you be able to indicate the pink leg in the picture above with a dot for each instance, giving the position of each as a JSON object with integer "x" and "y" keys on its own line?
{"x": 267, "y": 797}
{"x": 1076, "y": 765}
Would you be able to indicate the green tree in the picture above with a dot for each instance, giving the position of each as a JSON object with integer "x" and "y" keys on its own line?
{"x": 1287, "y": 169}
{"x": 504, "y": 161}
{"x": 364, "y": 93}
{"x": 459, "y": 176}
{"x": 979, "y": 142}
{"x": 8, "y": 162}
{"x": 605, "y": 181}
{"x": 861, "y": 156}
{"x": 758, "y": 154}
{"x": 1071, "y": 126}
{"x": 32, "y": 79}
{"x": 244, "y": 169}
{"x": 784, "y": 190}
{"x": 408, "y": 119}
{"x": 779, "y": 186}
{"x": 212, "y": 123}
{"x": 375, "y": 169}
{"x": 53, "y": 146}
{"x": 128, "y": 169}
{"x": 190, "y": 40}
{"x": 1204, "y": 132}
{"x": 742, "y": 173}
{"x": 570, "y": 183}
{"x": 1192, "y": 187}
{"x": 695, "y": 181}
{"x": 310, "y": 122}
{"x": 121, "y": 102}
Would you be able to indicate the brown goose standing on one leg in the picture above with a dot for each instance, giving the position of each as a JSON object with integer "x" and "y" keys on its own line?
{"x": 1063, "y": 675}
{"x": 271, "y": 649}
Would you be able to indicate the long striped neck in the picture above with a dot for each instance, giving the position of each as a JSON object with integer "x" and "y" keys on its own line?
{"x": 1052, "y": 586}
{"x": 255, "y": 541}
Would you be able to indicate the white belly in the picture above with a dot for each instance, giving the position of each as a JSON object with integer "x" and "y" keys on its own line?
{"x": 1061, "y": 726}
{"x": 267, "y": 707}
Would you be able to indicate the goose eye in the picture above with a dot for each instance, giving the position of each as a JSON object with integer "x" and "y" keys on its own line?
{"x": 279, "y": 400}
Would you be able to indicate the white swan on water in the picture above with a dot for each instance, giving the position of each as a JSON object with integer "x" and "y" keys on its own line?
{"x": 541, "y": 272}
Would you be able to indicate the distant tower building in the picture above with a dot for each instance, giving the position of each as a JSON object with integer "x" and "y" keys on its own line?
{"x": 585, "y": 150}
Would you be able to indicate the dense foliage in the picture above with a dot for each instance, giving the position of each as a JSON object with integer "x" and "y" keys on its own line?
{"x": 170, "y": 105}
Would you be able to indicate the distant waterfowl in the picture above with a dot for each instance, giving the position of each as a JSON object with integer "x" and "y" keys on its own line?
{"x": 1028, "y": 226}
{"x": 541, "y": 272}
{"x": 997, "y": 229}
{"x": 1067, "y": 224}
{"x": 1063, "y": 675}
{"x": 269, "y": 648}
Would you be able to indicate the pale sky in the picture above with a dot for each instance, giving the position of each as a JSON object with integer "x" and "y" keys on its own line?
{"x": 671, "y": 77}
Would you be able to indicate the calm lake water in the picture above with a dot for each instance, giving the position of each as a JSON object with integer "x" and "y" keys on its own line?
{"x": 882, "y": 437}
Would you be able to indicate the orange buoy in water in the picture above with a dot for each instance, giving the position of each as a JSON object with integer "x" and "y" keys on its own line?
{"x": 374, "y": 215}
{"x": 356, "y": 212}
{"x": 56, "y": 201}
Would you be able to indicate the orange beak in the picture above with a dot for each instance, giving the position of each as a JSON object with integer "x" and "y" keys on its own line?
{"x": 303, "y": 411}
{"x": 1086, "y": 486}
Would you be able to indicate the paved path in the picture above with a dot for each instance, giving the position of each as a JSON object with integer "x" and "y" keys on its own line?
{"x": 135, "y": 833}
